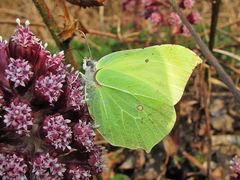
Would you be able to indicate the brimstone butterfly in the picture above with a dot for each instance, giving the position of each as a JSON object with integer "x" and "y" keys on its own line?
{"x": 131, "y": 94}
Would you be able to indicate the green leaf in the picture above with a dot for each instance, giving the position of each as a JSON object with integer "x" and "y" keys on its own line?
{"x": 120, "y": 177}
{"x": 133, "y": 97}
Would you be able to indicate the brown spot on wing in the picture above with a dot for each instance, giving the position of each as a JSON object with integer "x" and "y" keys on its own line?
{"x": 140, "y": 107}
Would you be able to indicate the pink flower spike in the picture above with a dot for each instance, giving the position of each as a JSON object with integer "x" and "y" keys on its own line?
{"x": 74, "y": 92}
{"x": 95, "y": 160}
{"x": 49, "y": 87}
{"x": 76, "y": 172}
{"x": 174, "y": 19}
{"x": 55, "y": 64}
{"x": 235, "y": 164}
{"x": 12, "y": 166}
{"x": 19, "y": 72}
{"x": 57, "y": 131}
{"x": 187, "y": 4}
{"x": 129, "y": 5}
{"x": 19, "y": 117}
{"x": 185, "y": 31}
{"x": 84, "y": 135}
{"x": 23, "y": 36}
{"x": 193, "y": 17}
{"x": 47, "y": 167}
{"x": 156, "y": 18}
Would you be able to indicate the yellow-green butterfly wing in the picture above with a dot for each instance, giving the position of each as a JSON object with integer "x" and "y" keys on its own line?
{"x": 133, "y": 93}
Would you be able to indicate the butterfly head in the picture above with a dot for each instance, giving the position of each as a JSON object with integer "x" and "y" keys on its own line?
{"x": 89, "y": 65}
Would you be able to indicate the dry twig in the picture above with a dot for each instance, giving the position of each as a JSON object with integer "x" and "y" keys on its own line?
{"x": 54, "y": 30}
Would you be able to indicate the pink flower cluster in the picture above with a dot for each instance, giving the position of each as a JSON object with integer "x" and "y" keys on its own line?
{"x": 159, "y": 12}
{"x": 46, "y": 131}
{"x": 235, "y": 165}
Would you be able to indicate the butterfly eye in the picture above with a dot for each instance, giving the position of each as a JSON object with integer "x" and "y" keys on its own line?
{"x": 90, "y": 63}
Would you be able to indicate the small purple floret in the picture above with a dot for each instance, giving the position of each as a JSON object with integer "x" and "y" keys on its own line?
{"x": 47, "y": 167}
{"x": 84, "y": 135}
{"x": 49, "y": 87}
{"x": 12, "y": 166}
{"x": 95, "y": 160}
{"x": 57, "y": 132}
{"x": 235, "y": 164}
{"x": 19, "y": 72}
{"x": 77, "y": 172}
{"x": 74, "y": 92}
{"x": 18, "y": 117}
{"x": 23, "y": 36}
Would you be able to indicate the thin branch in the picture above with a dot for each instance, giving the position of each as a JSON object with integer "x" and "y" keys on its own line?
{"x": 54, "y": 30}
{"x": 194, "y": 161}
{"x": 208, "y": 55}
{"x": 214, "y": 20}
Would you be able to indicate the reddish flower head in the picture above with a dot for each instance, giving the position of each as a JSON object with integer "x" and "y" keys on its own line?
{"x": 95, "y": 160}
{"x": 235, "y": 164}
{"x": 74, "y": 92}
{"x": 174, "y": 19}
{"x": 49, "y": 87}
{"x": 19, "y": 72}
{"x": 41, "y": 102}
{"x": 47, "y": 167}
{"x": 84, "y": 135}
{"x": 12, "y": 166}
{"x": 57, "y": 131}
{"x": 186, "y": 4}
{"x": 18, "y": 117}
{"x": 76, "y": 172}
{"x": 193, "y": 17}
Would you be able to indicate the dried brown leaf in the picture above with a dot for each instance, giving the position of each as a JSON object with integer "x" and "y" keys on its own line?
{"x": 170, "y": 146}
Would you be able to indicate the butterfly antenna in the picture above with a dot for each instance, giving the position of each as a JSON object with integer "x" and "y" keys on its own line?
{"x": 85, "y": 37}
{"x": 75, "y": 49}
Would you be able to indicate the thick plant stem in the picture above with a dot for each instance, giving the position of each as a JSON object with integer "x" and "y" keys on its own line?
{"x": 54, "y": 30}
{"x": 214, "y": 20}
{"x": 208, "y": 55}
